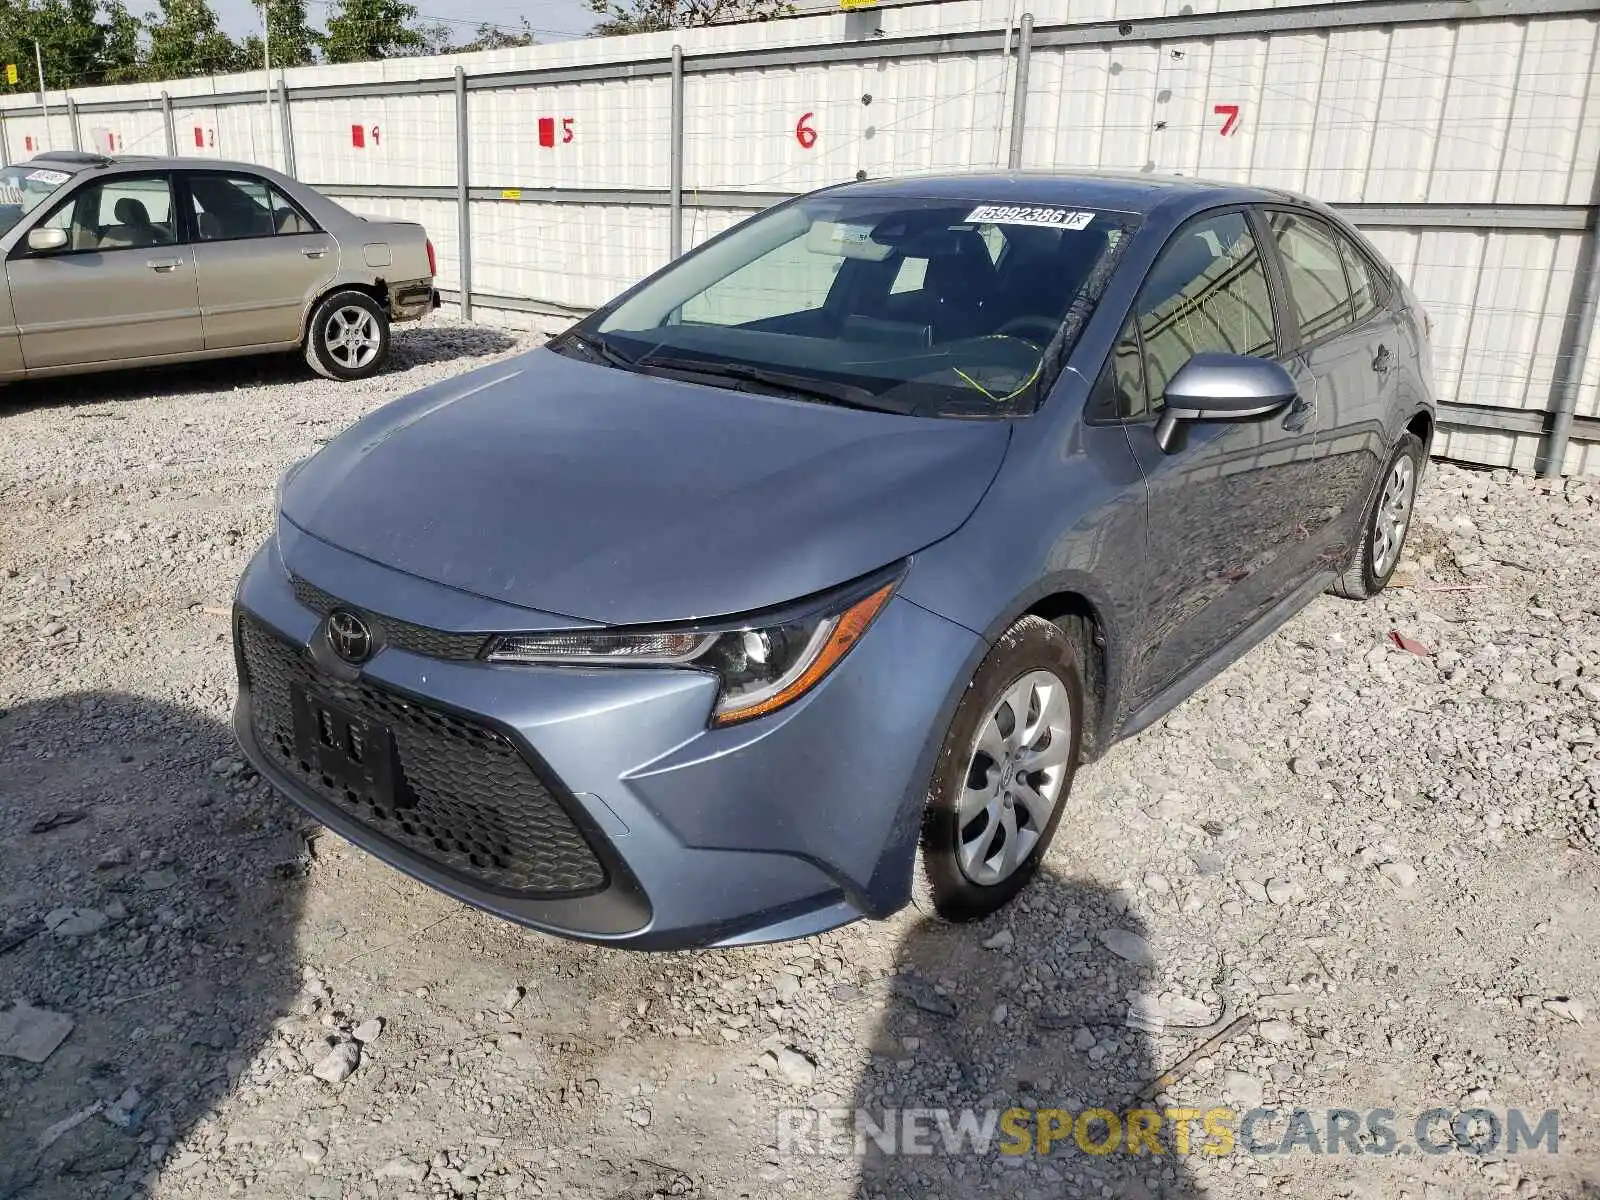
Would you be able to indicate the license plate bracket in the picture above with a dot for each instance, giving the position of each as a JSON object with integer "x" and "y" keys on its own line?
{"x": 343, "y": 751}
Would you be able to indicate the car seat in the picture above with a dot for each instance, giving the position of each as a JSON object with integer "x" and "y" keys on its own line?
{"x": 133, "y": 229}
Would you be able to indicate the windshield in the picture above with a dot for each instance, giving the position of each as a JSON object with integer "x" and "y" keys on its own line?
{"x": 23, "y": 189}
{"x": 933, "y": 307}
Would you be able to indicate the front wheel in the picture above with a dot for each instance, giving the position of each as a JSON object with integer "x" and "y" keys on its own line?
{"x": 348, "y": 336}
{"x": 1003, "y": 775}
{"x": 1384, "y": 529}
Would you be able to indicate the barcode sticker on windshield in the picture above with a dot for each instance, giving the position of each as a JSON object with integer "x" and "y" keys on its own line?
{"x": 51, "y": 177}
{"x": 1026, "y": 214}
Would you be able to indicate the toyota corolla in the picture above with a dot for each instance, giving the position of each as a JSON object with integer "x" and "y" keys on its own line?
{"x": 795, "y": 584}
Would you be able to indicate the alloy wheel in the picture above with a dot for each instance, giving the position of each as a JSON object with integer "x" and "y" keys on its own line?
{"x": 352, "y": 337}
{"x": 1014, "y": 777}
{"x": 1393, "y": 517}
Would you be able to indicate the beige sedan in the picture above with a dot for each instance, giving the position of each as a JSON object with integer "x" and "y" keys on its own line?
{"x": 136, "y": 261}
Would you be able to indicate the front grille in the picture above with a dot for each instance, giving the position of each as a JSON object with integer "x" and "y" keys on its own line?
{"x": 464, "y": 798}
{"x": 418, "y": 639}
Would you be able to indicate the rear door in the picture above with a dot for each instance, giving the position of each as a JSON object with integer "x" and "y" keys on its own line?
{"x": 122, "y": 289}
{"x": 261, "y": 259}
{"x": 1350, "y": 346}
{"x": 1225, "y": 508}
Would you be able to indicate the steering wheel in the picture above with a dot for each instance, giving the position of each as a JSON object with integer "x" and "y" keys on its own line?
{"x": 1026, "y": 324}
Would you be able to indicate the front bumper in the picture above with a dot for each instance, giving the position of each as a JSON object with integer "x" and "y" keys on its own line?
{"x": 779, "y": 828}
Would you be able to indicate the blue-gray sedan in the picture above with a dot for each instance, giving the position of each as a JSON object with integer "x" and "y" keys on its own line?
{"x": 795, "y": 584}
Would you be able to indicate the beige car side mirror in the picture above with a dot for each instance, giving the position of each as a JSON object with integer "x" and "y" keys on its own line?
{"x": 45, "y": 240}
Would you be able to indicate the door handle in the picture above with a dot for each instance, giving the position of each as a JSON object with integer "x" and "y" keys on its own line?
{"x": 314, "y": 252}
{"x": 164, "y": 265}
{"x": 1383, "y": 361}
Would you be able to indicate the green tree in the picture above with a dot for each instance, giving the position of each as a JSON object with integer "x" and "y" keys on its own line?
{"x": 439, "y": 38}
{"x": 121, "y": 54}
{"x": 82, "y": 42}
{"x": 652, "y": 16}
{"x": 362, "y": 30}
{"x": 294, "y": 42}
{"x": 186, "y": 41}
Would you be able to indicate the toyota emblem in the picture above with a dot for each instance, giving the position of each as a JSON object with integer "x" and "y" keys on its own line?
{"x": 349, "y": 636}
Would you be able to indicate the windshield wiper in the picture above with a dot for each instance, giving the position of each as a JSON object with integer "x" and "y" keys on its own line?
{"x": 845, "y": 395}
{"x": 597, "y": 346}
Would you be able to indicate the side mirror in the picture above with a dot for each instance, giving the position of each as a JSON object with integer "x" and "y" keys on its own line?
{"x": 43, "y": 241}
{"x": 1223, "y": 387}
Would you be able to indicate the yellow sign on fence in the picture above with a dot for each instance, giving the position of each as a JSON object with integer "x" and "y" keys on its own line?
{"x": 851, "y": 5}
{"x": 11, "y": 72}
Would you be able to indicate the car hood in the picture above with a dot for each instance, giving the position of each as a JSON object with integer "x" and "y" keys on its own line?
{"x": 609, "y": 496}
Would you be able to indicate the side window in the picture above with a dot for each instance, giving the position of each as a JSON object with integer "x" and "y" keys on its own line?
{"x": 1119, "y": 392}
{"x": 1207, "y": 291}
{"x": 242, "y": 206}
{"x": 120, "y": 213}
{"x": 1317, "y": 283}
{"x": 1367, "y": 293}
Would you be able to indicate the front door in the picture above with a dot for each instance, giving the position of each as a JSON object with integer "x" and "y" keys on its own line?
{"x": 260, "y": 260}
{"x": 122, "y": 289}
{"x": 1226, "y": 526}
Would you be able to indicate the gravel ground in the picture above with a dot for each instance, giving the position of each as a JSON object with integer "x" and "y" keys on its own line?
{"x": 1384, "y": 860}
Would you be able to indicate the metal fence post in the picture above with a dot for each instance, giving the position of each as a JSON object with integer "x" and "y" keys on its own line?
{"x": 5, "y": 151}
{"x": 72, "y": 123}
{"x": 1019, "y": 100}
{"x": 463, "y": 196}
{"x": 288, "y": 130}
{"x": 675, "y": 241}
{"x": 1569, "y": 369}
{"x": 166, "y": 125}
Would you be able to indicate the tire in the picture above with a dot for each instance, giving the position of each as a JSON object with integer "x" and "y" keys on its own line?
{"x": 336, "y": 319}
{"x": 1374, "y": 561}
{"x": 956, "y": 878}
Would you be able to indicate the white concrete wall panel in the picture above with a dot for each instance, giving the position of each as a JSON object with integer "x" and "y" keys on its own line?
{"x": 613, "y": 134}
{"x": 743, "y": 132}
{"x": 579, "y": 255}
{"x": 406, "y": 139}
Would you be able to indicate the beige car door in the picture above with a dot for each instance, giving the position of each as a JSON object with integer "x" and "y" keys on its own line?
{"x": 123, "y": 287}
{"x": 260, "y": 260}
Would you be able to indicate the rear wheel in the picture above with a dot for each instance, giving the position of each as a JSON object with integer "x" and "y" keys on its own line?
{"x": 1003, "y": 775}
{"x": 1387, "y": 523}
{"x": 348, "y": 336}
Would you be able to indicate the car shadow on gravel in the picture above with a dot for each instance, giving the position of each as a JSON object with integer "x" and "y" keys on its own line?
{"x": 1036, "y": 1022}
{"x": 149, "y": 894}
{"x": 413, "y": 346}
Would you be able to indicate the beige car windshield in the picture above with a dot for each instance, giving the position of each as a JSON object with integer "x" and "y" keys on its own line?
{"x": 23, "y": 189}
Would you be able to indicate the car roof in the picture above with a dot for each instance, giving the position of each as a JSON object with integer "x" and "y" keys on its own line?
{"x": 76, "y": 161}
{"x": 1121, "y": 192}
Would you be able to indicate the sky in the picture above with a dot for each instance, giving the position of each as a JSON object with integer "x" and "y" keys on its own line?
{"x": 552, "y": 20}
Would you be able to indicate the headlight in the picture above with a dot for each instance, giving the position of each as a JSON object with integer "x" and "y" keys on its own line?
{"x": 761, "y": 666}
